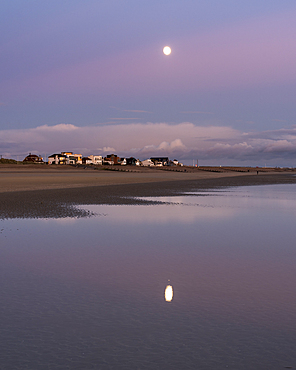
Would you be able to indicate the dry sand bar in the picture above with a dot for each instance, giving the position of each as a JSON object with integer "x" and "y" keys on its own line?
{"x": 52, "y": 191}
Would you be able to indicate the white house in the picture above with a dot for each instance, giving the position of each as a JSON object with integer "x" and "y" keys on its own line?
{"x": 57, "y": 159}
{"x": 86, "y": 160}
{"x": 177, "y": 163}
{"x": 96, "y": 159}
{"x": 147, "y": 163}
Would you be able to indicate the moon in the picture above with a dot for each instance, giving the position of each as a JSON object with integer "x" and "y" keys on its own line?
{"x": 167, "y": 50}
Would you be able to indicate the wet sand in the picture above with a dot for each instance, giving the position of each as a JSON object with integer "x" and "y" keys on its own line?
{"x": 53, "y": 191}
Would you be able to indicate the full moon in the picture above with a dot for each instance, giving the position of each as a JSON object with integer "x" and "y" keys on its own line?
{"x": 167, "y": 50}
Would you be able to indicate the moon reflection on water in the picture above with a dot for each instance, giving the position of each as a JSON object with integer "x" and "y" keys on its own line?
{"x": 168, "y": 293}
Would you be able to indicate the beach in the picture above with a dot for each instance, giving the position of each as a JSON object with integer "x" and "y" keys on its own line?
{"x": 52, "y": 191}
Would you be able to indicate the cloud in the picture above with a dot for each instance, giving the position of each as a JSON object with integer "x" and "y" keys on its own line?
{"x": 280, "y": 146}
{"x": 227, "y": 150}
{"x": 130, "y": 110}
{"x": 62, "y": 127}
{"x": 124, "y": 118}
{"x": 107, "y": 149}
{"x": 164, "y": 148}
{"x": 136, "y": 111}
{"x": 183, "y": 141}
{"x": 197, "y": 112}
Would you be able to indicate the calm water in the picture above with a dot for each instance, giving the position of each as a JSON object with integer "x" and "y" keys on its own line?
{"x": 89, "y": 293}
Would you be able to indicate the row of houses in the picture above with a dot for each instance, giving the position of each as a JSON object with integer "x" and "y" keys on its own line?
{"x": 110, "y": 159}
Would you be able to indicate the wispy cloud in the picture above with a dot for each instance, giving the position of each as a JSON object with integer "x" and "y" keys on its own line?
{"x": 279, "y": 120}
{"x": 136, "y": 111}
{"x": 130, "y": 110}
{"x": 124, "y": 118}
{"x": 107, "y": 149}
{"x": 197, "y": 112}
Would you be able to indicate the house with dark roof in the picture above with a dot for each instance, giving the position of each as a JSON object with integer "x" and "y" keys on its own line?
{"x": 132, "y": 161}
{"x": 113, "y": 159}
{"x": 33, "y": 158}
{"x": 160, "y": 161}
{"x": 57, "y": 159}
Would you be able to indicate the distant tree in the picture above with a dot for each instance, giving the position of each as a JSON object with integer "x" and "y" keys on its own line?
{"x": 7, "y": 161}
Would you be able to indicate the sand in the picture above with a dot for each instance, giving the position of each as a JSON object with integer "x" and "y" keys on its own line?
{"x": 40, "y": 177}
{"x": 53, "y": 191}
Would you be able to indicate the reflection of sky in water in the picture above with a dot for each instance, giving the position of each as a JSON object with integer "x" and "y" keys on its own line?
{"x": 90, "y": 290}
{"x": 263, "y": 197}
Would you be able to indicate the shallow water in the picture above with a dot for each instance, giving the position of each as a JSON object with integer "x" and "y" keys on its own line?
{"x": 88, "y": 293}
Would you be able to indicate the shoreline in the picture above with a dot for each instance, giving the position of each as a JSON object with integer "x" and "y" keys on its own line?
{"x": 38, "y": 200}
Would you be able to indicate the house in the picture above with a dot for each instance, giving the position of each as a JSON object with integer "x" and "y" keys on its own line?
{"x": 108, "y": 160}
{"x": 57, "y": 159}
{"x": 86, "y": 160}
{"x": 147, "y": 163}
{"x": 123, "y": 161}
{"x": 133, "y": 161}
{"x": 65, "y": 158}
{"x": 67, "y": 153}
{"x": 177, "y": 163}
{"x": 113, "y": 159}
{"x": 160, "y": 161}
{"x": 71, "y": 159}
{"x": 96, "y": 159}
{"x": 33, "y": 158}
{"x": 78, "y": 158}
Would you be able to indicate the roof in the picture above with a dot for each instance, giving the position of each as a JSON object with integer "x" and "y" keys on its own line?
{"x": 54, "y": 155}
